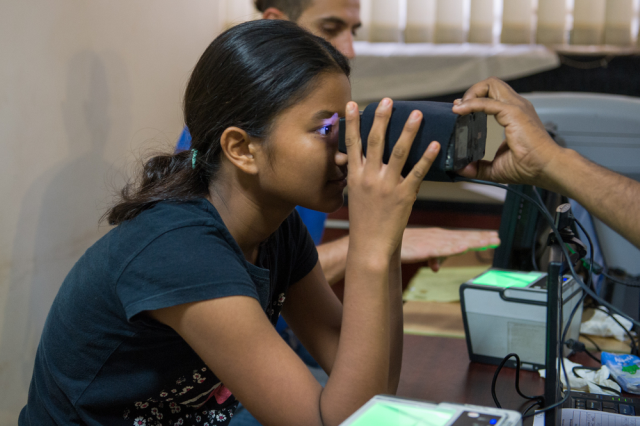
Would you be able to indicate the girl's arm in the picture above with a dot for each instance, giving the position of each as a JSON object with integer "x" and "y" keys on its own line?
{"x": 368, "y": 355}
{"x": 233, "y": 336}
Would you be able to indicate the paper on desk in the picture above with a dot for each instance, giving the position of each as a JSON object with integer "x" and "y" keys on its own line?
{"x": 588, "y": 381}
{"x": 442, "y": 286}
{"x": 575, "y": 417}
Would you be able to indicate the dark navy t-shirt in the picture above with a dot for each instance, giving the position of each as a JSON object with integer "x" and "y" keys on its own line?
{"x": 102, "y": 361}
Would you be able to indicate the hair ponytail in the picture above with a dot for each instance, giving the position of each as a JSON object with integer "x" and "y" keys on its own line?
{"x": 163, "y": 178}
{"x": 246, "y": 77}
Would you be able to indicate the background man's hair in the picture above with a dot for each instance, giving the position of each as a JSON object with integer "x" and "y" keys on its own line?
{"x": 292, "y": 8}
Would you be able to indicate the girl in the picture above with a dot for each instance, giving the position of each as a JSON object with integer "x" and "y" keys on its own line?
{"x": 168, "y": 319}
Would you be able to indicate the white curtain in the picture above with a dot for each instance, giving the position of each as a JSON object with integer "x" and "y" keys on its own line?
{"x": 548, "y": 22}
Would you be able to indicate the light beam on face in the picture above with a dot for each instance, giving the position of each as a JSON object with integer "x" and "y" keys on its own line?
{"x": 330, "y": 125}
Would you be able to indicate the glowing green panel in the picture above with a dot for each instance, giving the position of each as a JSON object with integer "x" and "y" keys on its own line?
{"x": 507, "y": 278}
{"x": 387, "y": 413}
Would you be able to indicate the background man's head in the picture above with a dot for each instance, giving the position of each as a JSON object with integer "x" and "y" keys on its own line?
{"x": 334, "y": 20}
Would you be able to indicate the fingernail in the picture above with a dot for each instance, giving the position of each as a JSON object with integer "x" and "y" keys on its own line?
{"x": 434, "y": 146}
{"x": 415, "y": 116}
{"x": 386, "y": 102}
{"x": 351, "y": 107}
{"x": 457, "y": 101}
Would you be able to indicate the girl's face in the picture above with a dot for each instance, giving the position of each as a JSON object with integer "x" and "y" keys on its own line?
{"x": 300, "y": 163}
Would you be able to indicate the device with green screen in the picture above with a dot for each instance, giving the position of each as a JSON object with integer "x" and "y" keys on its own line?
{"x": 506, "y": 279}
{"x": 383, "y": 410}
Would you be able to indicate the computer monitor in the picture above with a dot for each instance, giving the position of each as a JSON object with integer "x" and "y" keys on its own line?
{"x": 606, "y": 130}
{"x": 523, "y": 231}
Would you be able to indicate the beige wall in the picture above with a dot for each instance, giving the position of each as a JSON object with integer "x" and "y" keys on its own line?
{"x": 85, "y": 87}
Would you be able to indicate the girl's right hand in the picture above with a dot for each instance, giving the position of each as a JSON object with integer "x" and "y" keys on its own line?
{"x": 380, "y": 199}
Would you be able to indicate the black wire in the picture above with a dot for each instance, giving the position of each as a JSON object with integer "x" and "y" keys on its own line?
{"x": 591, "y": 283}
{"x": 551, "y": 222}
{"x": 534, "y": 264}
{"x": 564, "y": 370}
{"x": 618, "y": 281}
{"x": 634, "y": 346}
{"x": 495, "y": 379}
{"x": 576, "y": 277}
{"x": 601, "y": 270}
{"x": 590, "y": 355}
{"x": 537, "y": 403}
{"x": 592, "y": 341}
{"x": 573, "y": 273}
{"x": 616, "y": 391}
{"x": 535, "y": 234}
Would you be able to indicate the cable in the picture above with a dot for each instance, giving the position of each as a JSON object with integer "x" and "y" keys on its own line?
{"x": 574, "y": 369}
{"x": 564, "y": 369}
{"x": 535, "y": 234}
{"x": 599, "y": 269}
{"x": 530, "y": 407}
{"x": 585, "y": 288}
{"x": 546, "y": 214}
{"x": 495, "y": 379}
{"x": 576, "y": 277}
{"x": 634, "y": 345}
{"x": 617, "y": 281}
{"x": 578, "y": 346}
{"x": 592, "y": 341}
{"x": 591, "y": 284}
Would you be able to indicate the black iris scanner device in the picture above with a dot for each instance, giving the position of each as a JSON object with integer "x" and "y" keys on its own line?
{"x": 462, "y": 138}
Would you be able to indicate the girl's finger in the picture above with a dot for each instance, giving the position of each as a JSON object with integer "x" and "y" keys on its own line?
{"x": 377, "y": 135}
{"x": 419, "y": 171}
{"x": 352, "y": 134}
{"x": 403, "y": 146}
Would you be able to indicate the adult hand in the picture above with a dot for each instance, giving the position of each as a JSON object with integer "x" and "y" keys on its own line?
{"x": 525, "y": 155}
{"x": 433, "y": 245}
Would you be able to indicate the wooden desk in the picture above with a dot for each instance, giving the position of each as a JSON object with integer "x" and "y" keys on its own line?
{"x": 438, "y": 369}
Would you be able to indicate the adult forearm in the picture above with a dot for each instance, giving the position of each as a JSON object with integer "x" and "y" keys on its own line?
{"x": 396, "y": 322}
{"x": 362, "y": 364}
{"x": 612, "y": 198}
{"x": 333, "y": 259}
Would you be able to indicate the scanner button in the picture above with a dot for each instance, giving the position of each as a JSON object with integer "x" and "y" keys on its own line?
{"x": 594, "y": 405}
{"x": 610, "y": 405}
{"x": 609, "y": 410}
{"x": 580, "y": 403}
{"x": 626, "y": 409}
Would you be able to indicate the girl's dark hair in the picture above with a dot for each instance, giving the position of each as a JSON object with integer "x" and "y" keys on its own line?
{"x": 246, "y": 77}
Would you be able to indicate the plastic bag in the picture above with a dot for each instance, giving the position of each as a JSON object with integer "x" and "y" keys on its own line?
{"x": 625, "y": 369}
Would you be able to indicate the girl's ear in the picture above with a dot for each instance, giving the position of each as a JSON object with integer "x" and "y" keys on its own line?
{"x": 239, "y": 148}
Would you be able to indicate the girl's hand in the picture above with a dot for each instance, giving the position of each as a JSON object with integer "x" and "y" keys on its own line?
{"x": 380, "y": 199}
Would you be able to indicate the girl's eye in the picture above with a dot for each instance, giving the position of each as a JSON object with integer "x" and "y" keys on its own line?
{"x": 326, "y": 130}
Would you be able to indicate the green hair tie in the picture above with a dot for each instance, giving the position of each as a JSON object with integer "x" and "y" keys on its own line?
{"x": 194, "y": 154}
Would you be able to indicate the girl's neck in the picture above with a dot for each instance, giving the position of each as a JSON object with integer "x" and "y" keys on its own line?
{"x": 248, "y": 221}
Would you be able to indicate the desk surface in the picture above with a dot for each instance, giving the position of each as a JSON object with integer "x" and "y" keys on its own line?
{"x": 438, "y": 369}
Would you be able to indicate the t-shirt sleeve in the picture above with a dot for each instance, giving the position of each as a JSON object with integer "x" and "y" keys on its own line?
{"x": 184, "y": 265}
{"x": 305, "y": 251}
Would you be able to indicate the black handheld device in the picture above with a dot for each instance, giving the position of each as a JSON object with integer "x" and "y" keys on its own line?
{"x": 462, "y": 138}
